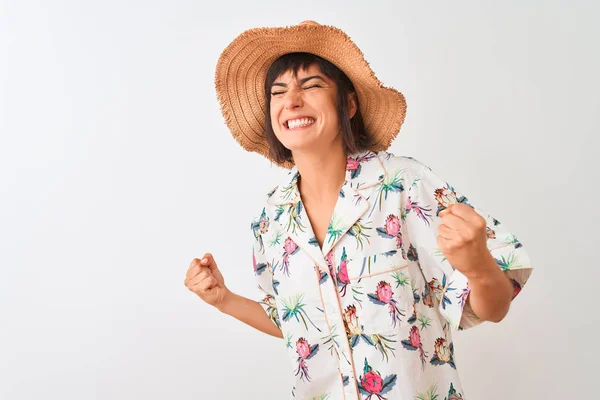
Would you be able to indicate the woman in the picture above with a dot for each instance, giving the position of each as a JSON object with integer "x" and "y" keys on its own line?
{"x": 365, "y": 261}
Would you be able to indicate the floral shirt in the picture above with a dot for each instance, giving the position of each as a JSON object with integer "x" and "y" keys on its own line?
{"x": 370, "y": 315}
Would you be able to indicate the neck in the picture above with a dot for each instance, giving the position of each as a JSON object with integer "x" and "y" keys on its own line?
{"x": 322, "y": 173}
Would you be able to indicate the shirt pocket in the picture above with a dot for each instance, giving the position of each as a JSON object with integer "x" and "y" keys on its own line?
{"x": 385, "y": 296}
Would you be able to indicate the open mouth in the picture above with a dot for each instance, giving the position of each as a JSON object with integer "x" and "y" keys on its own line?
{"x": 299, "y": 123}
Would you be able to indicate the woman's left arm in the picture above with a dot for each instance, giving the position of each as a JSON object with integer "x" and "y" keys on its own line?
{"x": 462, "y": 237}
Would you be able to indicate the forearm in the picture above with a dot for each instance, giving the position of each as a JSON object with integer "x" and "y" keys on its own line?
{"x": 491, "y": 292}
{"x": 249, "y": 312}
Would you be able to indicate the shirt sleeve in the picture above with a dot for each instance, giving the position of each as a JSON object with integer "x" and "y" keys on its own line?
{"x": 427, "y": 196}
{"x": 263, "y": 272}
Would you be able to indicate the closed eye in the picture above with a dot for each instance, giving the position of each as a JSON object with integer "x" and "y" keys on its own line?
{"x": 306, "y": 88}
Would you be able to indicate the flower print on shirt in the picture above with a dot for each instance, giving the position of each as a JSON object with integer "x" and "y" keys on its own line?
{"x": 294, "y": 308}
{"x": 354, "y": 331}
{"x": 305, "y": 351}
{"x": 379, "y": 292}
{"x": 373, "y": 385}
{"x": 414, "y": 343}
{"x": 289, "y": 249}
{"x": 392, "y": 230}
{"x": 453, "y": 394}
{"x": 342, "y": 273}
{"x": 443, "y": 353}
{"x": 383, "y": 296}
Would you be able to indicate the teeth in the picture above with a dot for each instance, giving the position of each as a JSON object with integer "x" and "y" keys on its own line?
{"x": 295, "y": 123}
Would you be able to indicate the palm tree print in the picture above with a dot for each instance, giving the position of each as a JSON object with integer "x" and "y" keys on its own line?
{"x": 391, "y": 183}
{"x": 358, "y": 231}
{"x": 431, "y": 394}
{"x": 335, "y": 229}
{"x": 508, "y": 263}
{"x": 294, "y": 308}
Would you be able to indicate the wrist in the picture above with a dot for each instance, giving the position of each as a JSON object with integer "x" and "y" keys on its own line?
{"x": 485, "y": 271}
{"x": 225, "y": 304}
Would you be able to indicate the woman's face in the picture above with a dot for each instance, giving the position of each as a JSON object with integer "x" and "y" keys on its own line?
{"x": 303, "y": 110}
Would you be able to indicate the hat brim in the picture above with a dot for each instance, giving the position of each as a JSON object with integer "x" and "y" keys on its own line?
{"x": 242, "y": 69}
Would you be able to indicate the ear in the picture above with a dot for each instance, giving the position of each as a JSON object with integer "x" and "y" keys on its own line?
{"x": 351, "y": 105}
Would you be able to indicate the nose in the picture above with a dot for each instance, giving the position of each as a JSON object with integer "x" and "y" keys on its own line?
{"x": 293, "y": 99}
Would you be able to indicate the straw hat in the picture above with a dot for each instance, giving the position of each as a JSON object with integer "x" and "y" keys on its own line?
{"x": 242, "y": 70}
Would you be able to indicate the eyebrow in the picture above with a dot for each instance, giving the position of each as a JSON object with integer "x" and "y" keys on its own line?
{"x": 302, "y": 81}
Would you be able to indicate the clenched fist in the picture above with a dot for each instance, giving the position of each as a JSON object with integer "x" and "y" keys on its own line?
{"x": 463, "y": 240}
{"x": 204, "y": 278}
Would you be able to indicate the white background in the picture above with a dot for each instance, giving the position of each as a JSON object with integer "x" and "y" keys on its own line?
{"x": 116, "y": 169}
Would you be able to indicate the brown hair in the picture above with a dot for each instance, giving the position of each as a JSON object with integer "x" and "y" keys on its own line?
{"x": 354, "y": 136}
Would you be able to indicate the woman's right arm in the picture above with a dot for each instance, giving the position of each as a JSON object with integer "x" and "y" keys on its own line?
{"x": 205, "y": 280}
{"x": 249, "y": 312}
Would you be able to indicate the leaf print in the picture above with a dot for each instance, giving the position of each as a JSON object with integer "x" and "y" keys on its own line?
{"x": 383, "y": 343}
{"x": 413, "y": 286}
{"x": 288, "y": 340}
{"x": 290, "y": 191}
{"x": 424, "y": 320}
{"x": 508, "y": 263}
{"x": 278, "y": 211}
{"x": 332, "y": 342}
{"x": 335, "y": 228}
{"x": 276, "y": 239}
{"x": 294, "y": 219}
{"x": 512, "y": 239}
{"x": 413, "y": 318}
{"x": 438, "y": 253}
{"x": 431, "y": 394}
{"x": 345, "y": 380}
{"x": 271, "y": 309}
{"x": 293, "y": 307}
{"x": 420, "y": 211}
{"x": 400, "y": 278}
{"x": 357, "y": 294}
{"x": 275, "y": 286}
{"x": 441, "y": 289}
{"x": 325, "y": 396}
{"x": 258, "y": 267}
{"x": 358, "y": 231}
{"x": 391, "y": 183}
{"x": 412, "y": 254}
